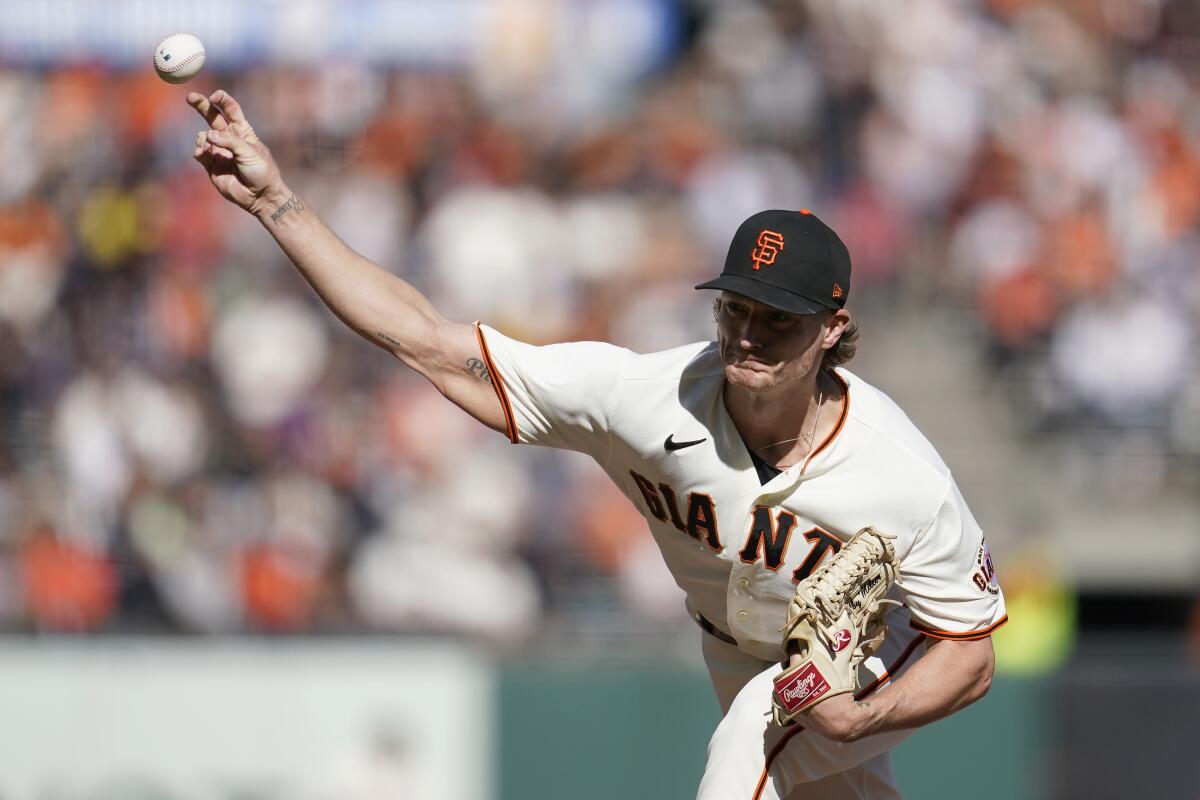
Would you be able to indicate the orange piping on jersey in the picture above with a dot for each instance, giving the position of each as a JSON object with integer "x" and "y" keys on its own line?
{"x": 510, "y": 424}
{"x": 882, "y": 679}
{"x": 836, "y": 428}
{"x": 887, "y": 676}
{"x": 776, "y": 750}
{"x": 959, "y": 637}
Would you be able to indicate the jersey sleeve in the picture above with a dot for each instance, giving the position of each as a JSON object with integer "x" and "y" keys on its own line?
{"x": 559, "y": 395}
{"x": 948, "y": 579}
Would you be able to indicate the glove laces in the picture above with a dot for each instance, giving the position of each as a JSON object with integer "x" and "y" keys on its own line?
{"x": 845, "y": 570}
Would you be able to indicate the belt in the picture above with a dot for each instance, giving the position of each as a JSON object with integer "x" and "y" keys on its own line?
{"x": 713, "y": 630}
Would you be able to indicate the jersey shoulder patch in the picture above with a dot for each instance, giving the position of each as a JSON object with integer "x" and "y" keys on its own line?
{"x": 984, "y": 576}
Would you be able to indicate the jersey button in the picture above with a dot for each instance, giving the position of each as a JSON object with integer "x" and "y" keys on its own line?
{"x": 743, "y": 614}
{"x": 743, "y": 582}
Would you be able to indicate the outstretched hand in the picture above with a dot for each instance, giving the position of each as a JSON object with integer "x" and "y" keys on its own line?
{"x": 237, "y": 162}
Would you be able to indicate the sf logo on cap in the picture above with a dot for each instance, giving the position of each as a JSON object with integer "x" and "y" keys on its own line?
{"x": 769, "y": 245}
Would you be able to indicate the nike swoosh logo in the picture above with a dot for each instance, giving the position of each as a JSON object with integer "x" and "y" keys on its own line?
{"x": 673, "y": 445}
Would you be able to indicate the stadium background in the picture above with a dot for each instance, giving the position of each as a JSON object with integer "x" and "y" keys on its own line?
{"x": 211, "y": 492}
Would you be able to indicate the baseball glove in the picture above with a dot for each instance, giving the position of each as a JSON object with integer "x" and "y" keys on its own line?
{"x": 835, "y": 620}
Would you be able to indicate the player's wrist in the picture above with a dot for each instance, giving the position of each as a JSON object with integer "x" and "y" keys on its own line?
{"x": 841, "y": 718}
{"x": 277, "y": 205}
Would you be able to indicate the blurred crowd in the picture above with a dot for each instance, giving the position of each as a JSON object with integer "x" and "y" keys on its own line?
{"x": 190, "y": 442}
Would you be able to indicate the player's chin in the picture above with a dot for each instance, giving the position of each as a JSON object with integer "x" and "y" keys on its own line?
{"x": 755, "y": 377}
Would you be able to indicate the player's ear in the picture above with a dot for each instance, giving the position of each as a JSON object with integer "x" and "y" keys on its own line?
{"x": 834, "y": 325}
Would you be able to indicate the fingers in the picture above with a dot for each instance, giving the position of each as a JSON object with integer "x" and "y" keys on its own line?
{"x": 233, "y": 112}
{"x": 203, "y": 152}
{"x": 229, "y": 107}
{"x": 238, "y": 147}
{"x": 222, "y": 112}
{"x": 203, "y": 145}
{"x": 206, "y": 109}
{"x": 205, "y": 157}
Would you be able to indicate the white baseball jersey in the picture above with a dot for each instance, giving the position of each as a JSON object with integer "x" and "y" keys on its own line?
{"x": 657, "y": 424}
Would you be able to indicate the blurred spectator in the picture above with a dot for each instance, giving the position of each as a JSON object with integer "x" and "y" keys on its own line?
{"x": 33, "y": 251}
{"x": 69, "y": 586}
{"x": 1122, "y": 359}
{"x": 268, "y": 354}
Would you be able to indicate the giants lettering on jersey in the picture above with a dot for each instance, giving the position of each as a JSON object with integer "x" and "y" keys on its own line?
{"x": 701, "y": 514}
{"x": 772, "y": 532}
{"x": 768, "y": 537}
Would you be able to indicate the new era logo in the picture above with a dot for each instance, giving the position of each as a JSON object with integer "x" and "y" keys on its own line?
{"x": 769, "y": 245}
{"x": 837, "y": 292}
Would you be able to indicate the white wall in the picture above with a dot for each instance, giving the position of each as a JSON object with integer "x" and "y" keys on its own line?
{"x": 317, "y": 719}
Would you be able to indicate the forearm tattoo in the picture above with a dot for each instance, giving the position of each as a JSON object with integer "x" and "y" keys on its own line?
{"x": 293, "y": 204}
{"x": 387, "y": 339}
{"x": 478, "y": 369}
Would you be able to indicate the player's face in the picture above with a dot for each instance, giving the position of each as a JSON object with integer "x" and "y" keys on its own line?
{"x": 763, "y": 348}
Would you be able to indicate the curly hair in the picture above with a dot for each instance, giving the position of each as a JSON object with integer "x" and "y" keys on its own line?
{"x": 844, "y": 350}
{"x": 839, "y": 354}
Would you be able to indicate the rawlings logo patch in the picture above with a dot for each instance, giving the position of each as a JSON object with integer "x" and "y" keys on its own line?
{"x": 840, "y": 640}
{"x": 801, "y": 688}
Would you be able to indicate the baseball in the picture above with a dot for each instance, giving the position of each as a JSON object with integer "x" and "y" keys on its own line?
{"x": 178, "y": 58}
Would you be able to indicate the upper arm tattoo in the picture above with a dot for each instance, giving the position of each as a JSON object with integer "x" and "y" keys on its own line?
{"x": 476, "y": 367}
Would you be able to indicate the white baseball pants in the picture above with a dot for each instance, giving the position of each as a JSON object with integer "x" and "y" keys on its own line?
{"x": 751, "y": 759}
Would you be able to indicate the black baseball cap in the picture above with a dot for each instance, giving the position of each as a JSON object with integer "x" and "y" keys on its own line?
{"x": 789, "y": 260}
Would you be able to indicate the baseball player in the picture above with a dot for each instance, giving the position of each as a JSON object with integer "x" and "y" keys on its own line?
{"x": 754, "y": 458}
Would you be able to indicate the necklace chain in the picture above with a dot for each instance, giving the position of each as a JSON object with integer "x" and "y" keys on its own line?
{"x": 812, "y": 435}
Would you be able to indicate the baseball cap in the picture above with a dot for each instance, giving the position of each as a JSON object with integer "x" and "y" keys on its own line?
{"x": 789, "y": 260}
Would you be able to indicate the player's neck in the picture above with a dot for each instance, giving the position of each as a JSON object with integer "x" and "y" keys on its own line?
{"x": 782, "y": 425}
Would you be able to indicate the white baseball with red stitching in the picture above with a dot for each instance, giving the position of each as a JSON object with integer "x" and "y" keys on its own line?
{"x": 178, "y": 58}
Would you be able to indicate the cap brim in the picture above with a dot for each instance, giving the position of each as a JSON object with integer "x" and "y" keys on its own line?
{"x": 765, "y": 293}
